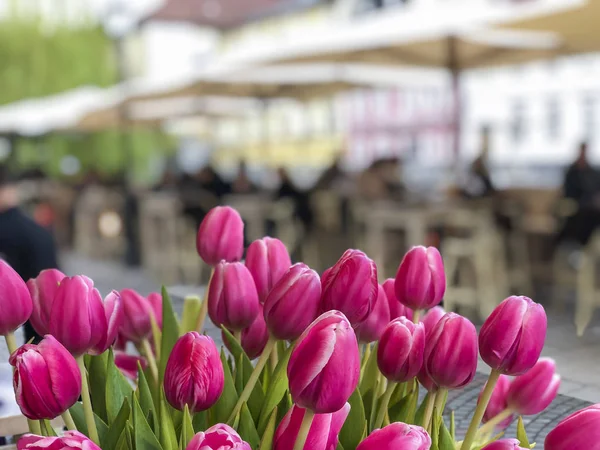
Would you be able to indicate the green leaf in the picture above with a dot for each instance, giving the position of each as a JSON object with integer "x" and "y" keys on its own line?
{"x": 522, "y": 434}
{"x": 452, "y": 425}
{"x": 268, "y": 435}
{"x": 276, "y": 391}
{"x": 371, "y": 373}
{"x": 351, "y": 433}
{"x": 145, "y": 398}
{"x": 223, "y": 408}
{"x": 97, "y": 370}
{"x": 117, "y": 388}
{"x": 144, "y": 437}
{"x": 247, "y": 428}
{"x": 170, "y": 334}
{"x": 200, "y": 421}
{"x": 405, "y": 409}
{"x": 79, "y": 418}
{"x": 191, "y": 311}
{"x": 187, "y": 428}
{"x": 368, "y": 400}
{"x": 257, "y": 397}
{"x": 115, "y": 430}
{"x": 239, "y": 376}
{"x": 124, "y": 442}
{"x": 156, "y": 336}
{"x": 445, "y": 440}
{"x": 167, "y": 435}
{"x": 421, "y": 410}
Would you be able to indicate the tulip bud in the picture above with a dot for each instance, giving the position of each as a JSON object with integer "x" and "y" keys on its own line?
{"x": 505, "y": 444}
{"x": 421, "y": 281}
{"x": 397, "y": 436}
{"x": 451, "y": 352}
{"x": 267, "y": 259}
{"x": 325, "y": 276}
{"x": 293, "y": 302}
{"x": 128, "y": 364}
{"x": 432, "y": 317}
{"x": 42, "y": 290}
{"x": 400, "y": 351}
{"x": 372, "y": 327}
{"x": 579, "y": 431}
{"x": 221, "y": 236}
{"x": 113, "y": 309}
{"x": 255, "y": 337}
{"x": 156, "y": 301}
{"x": 232, "y": 297}
{"x": 426, "y": 381}
{"x": 47, "y": 380}
{"x": 324, "y": 367}
{"x": 351, "y": 286}
{"x": 69, "y": 439}
{"x": 512, "y": 337}
{"x": 15, "y": 300}
{"x": 136, "y": 318}
{"x": 397, "y": 309}
{"x": 498, "y": 402}
{"x": 532, "y": 392}
{"x": 219, "y": 437}
{"x": 323, "y": 434}
{"x": 78, "y": 318}
{"x": 194, "y": 374}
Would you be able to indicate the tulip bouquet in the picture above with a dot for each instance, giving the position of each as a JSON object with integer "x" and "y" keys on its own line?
{"x": 339, "y": 360}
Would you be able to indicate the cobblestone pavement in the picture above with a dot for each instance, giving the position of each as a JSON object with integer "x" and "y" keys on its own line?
{"x": 578, "y": 359}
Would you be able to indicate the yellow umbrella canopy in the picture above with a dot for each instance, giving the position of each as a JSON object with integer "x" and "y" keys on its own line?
{"x": 577, "y": 27}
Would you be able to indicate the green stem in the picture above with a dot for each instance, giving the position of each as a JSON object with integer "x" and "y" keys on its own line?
{"x": 439, "y": 401}
{"x": 34, "y": 427}
{"x": 385, "y": 400}
{"x": 238, "y": 336}
{"x": 304, "y": 430}
{"x": 260, "y": 365}
{"x": 204, "y": 307}
{"x": 147, "y": 350}
{"x": 480, "y": 410}
{"x": 274, "y": 359}
{"x": 416, "y": 315}
{"x": 68, "y": 419}
{"x": 429, "y": 410}
{"x": 87, "y": 403}
{"x": 11, "y": 342}
{"x": 496, "y": 420}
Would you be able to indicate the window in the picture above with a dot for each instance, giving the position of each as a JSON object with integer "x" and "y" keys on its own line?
{"x": 518, "y": 121}
{"x": 553, "y": 118}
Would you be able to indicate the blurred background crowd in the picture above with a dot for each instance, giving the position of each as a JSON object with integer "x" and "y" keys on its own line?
{"x": 378, "y": 124}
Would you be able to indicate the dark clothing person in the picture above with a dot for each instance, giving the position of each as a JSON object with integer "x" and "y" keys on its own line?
{"x": 27, "y": 247}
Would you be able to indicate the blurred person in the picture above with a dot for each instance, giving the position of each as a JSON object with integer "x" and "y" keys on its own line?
{"x": 581, "y": 187}
{"x": 202, "y": 192}
{"x": 301, "y": 199}
{"x": 27, "y": 246}
{"x": 382, "y": 180}
{"x": 330, "y": 176}
{"x": 242, "y": 183}
{"x": 479, "y": 181}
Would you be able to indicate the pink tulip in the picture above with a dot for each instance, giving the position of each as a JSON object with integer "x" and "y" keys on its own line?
{"x": 351, "y": 286}
{"x": 421, "y": 281}
{"x": 426, "y": 381}
{"x": 293, "y": 303}
{"x": 194, "y": 374}
{"x": 323, "y": 434}
{"x": 579, "y": 431}
{"x": 42, "y": 290}
{"x": 69, "y": 439}
{"x": 505, "y": 444}
{"x": 78, "y": 318}
{"x": 400, "y": 351}
{"x": 47, "y": 380}
{"x": 156, "y": 301}
{"x": 372, "y": 327}
{"x": 451, "y": 352}
{"x": 397, "y": 436}
{"x": 255, "y": 337}
{"x": 137, "y": 325}
{"x": 512, "y": 337}
{"x": 432, "y": 317}
{"x": 113, "y": 308}
{"x": 325, "y": 276}
{"x": 397, "y": 309}
{"x": 221, "y": 236}
{"x": 232, "y": 297}
{"x": 498, "y": 402}
{"x": 16, "y": 305}
{"x": 128, "y": 364}
{"x": 219, "y": 437}
{"x": 267, "y": 259}
{"x": 324, "y": 367}
{"x": 532, "y": 392}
